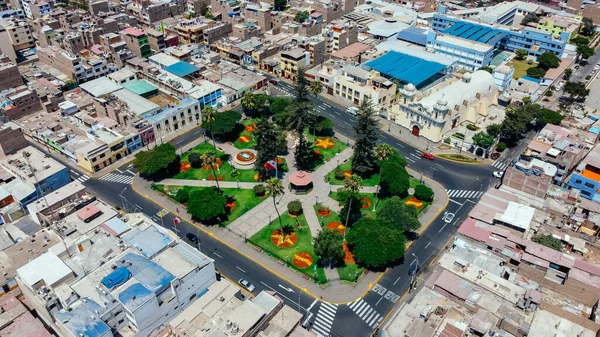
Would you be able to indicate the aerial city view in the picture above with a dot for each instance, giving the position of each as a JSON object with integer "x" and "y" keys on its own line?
{"x": 299, "y": 168}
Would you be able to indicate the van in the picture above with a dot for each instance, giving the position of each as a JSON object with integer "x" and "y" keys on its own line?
{"x": 352, "y": 110}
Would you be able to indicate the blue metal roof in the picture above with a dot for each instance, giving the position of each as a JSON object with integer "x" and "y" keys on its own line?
{"x": 414, "y": 34}
{"x": 405, "y": 67}
{"x": 182, "y": 69}
{"x": 475, "y": 32}
{"x": 595, "y": 130}
{"x": 134, "y": 296}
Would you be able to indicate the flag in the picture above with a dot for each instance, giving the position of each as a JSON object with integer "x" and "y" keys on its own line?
{"x": 176, "y": 221}
{"x": 271, "y": 164}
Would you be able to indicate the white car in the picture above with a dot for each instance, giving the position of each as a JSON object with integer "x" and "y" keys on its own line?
{"x": 497, "y": 174}
{"x": 352, "y": 110}
{"x": 448, "y": 217}
{"x": 246, "y": 285}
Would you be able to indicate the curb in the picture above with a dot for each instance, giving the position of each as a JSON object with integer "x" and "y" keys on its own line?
{"x": 463, "y": 162}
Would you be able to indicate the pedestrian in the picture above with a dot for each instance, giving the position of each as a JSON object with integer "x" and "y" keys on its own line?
{"x": 177, "y": 209}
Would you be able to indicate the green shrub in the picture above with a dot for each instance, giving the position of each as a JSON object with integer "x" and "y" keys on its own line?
{"x": 459, "y": 135}
{"x": 295, "y": 207}
{"x": 398, "y": 159}
{"x": 501, "y": 146}
{"x": 260, "y": 190}
{"x": 447, "y": 140}
{"x": 339, "y": 174}
{"x": 182, "y": 196}
{"x": 472, "y": 127}
{"x": 195, "y": 160}
{"x": 423, "y": 192}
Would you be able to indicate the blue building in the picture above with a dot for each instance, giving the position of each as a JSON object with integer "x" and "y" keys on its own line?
{"x": 474, "y": 45}
{"x": 407, "y": 68}
{"x": 586, "y": 181}
{"x": 134, "y": 142}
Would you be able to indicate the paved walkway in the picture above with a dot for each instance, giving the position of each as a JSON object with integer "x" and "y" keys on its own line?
{"x": 255, "y": 219}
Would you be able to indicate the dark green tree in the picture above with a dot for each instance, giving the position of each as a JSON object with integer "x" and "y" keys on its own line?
{"x": 521, "y": 54}
{"x": 301, "y": 16}
{"x": 398, "y": 215}
{"x": 224, "y": 122}
{"x": 568, "y": 73}
{"x": 395, "y": 180}
{"x": 329, "y": 248}
{"x": 156, "y": 162}
{"x": 182, "y": 196}
{"x": 584, "y": 52}
{"x": 576, "y": 90}
{"x": 548, "y": 241}
{"x": 374, "y": 244}
{"x": 398, "y": 159}
{"x": 530, "y": 17}
{"x": 580, "y": 41}
{"x": 483, "y": 139}
{"x": 587, "y": 27}
{"x": 206, "y": 204}
{"x": 323, "y": 125}
{"x": 267, "y": 145}
{"x": 548, "y": 60}
{"x": 301, "y": 87}
{"x": 364, "y": 161}
{"x": 493, "y": 129}
{"x": 300, "y": 117}
{"x": 423, "y": 192}
{"x": 279, "y": 5}
{"x": 547, "y": 116}
{"x": 536, "y": 72}
{"x": 195, "y": 160}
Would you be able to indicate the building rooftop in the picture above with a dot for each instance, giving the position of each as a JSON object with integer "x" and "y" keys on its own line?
{"x": 406, "y": 68}
{"x": 475, "y": 32}
{"x": 163, "y": 59}
{"x": 47, "y": 268}
{"x": 140, "y": 87}
{"x": 171, "y": 110}
{"x": 24, "y": 161}
{"x": 136, "y": 103}
{"x": 100, "y": 86}
{"x": 134, "y": 32}
{"x": 182, "y": 69}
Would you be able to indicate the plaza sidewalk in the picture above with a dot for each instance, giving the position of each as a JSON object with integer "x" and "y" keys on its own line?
{"x": 251, "y": 222}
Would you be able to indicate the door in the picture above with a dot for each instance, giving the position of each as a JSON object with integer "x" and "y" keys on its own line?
{"x": 415, "y": 130}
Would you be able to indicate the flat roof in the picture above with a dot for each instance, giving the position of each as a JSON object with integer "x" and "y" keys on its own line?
{"x": 182, "y": 69}
{"x": 406, "y": 67}
{"x": 47, "y": 267}
{"x": 100, "y": 86}
{"x": 163, "y": 60}
{"x": 517, "y": 215}
{"x": 44, "y": 166}
{"x": 140, "y": 87}
{"x": 138, "y": 104}
{"x": 55, "y": 197}
{"x": 475, "y": 32}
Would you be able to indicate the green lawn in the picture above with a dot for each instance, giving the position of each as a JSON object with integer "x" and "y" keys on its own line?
{"x": 324, "y": 220}
{"x": 414, "y": 182}
{"x": 458, "y": 157}
{"x": 262, "y": 239}
{"x": 225, "y": 171}
{"x": 244, "y": 198}
{"x": 326, "y": 154}
{"x": 250, "y": 145}
{"x": 521, "y": 67}
{"x": 380, "y": 202}
{"x": 370, "y": 181}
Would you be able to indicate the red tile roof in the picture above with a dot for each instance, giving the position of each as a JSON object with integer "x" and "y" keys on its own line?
{"x": 133, "y": 31}
{"x": 469, "y": 229}
{"x": 87, "y": 212}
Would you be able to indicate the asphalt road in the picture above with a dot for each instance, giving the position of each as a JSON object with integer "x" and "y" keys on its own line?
{"x": 336, "y": 320}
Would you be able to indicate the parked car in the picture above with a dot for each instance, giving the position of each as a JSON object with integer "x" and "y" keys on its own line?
{"x": 192, "y": 237}
{"x": 414, "y": 268}
{"x": 273, "y": 81}
{"x": 497, "y": 174}
{"x": 448, "y": 217}
{"x": 427, "y": 155}
{"x": 352, "y": 110}
{"x": 246, "y": 285}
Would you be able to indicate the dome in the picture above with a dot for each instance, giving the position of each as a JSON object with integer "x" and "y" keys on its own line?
{"x": 410, "y": 87}
{"x": 442, "y": 102}
{"x": 467, "y": 77}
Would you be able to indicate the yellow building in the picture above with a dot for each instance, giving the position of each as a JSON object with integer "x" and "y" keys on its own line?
{"x": 291, "y": 60}
{"x": 192, "y": 31}
{"x": 107, "y": 149}
{"x": 558, "y": 24}
{"x": 354, "y": 84}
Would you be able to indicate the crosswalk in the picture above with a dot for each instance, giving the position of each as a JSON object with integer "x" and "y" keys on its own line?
{"x": 457, "y": 194}
{"x": 501, "y": 166}
{"x": 118, "y": 178}
{"x": 366, "y": 312}
{"x": 78, "y": 176}
{"x": 413, "y": 156}
{"x": 324, "y": 319}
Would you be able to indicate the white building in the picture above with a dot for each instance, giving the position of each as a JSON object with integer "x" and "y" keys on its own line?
{"x": 503, "y": 76}
{"x": 354, "y": 84}
{"x": 128, "y": 276}
{"x": 447, "y": 106}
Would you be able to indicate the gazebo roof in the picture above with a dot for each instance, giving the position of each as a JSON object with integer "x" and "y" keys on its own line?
{"x": 300, "y": 178}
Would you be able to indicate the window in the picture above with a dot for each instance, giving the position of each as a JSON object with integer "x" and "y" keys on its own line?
{"x": 590, "y": 185}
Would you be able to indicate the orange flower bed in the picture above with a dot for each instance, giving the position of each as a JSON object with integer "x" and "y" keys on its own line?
{"x": 414, "y": 202}
{"x": 317, "y": 153}
{"x": 230, "y": 205}
{"x": 210, "y": 177}
{"x": 280, "y": 161}
{"x": 258, "y": 177}
{"x": 245, "y": 139}
{"x": 216, "y": 166}
{"x": 347, "y": 174}
{"x": 366, "y": 202}
{"x": 324, "y": 143}
{"x": 283, "y": 241}
{"x": 348, "y": 258}
{"x": 250, "y": 128}
{"x": 336, "y": 226}
{"x": 324, "y": 212}
{"x": 185, "y": 166}
{"x": 302, "y": 260}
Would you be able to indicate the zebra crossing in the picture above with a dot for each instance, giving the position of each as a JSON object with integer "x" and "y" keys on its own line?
{"x": 324, "y": 319}
{"x": 118, "y": 178}
{"x": 465, "y": 194}
{"x": 500, "y": 165}
{"x": 413, "y": 156}
{"x": 366, "y": 312}
{"x": 79, "y": 177}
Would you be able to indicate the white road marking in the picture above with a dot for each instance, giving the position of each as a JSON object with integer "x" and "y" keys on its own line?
{"x": 243, "y": 271}
{"x": 218, "y": 255}
{"x": 428, "y": 244}
{"x": 398, "y": 279}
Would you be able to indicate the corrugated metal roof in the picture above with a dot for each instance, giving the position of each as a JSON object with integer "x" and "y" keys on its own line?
{"x": 182, "y": 69}
{"x": 414, "y": 34}
{"x": 405, "y": 67}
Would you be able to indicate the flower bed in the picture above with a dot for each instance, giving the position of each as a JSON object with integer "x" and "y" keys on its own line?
{"x": 185, "y": 166}
{"x": 317, "y": 153}
{"x": 250, "y": 128}
{"x": 348, "y": 258}
{"x": 285, "y": 240}
{"x": 324, "y": 143}
{"x": 216, "y": 166}
{"x": 324, "y": 212}
{"x": 302, "y": 260}
{"x": 366, "y": 202}
{"x": 211, "y": 177}
{"x": 412, "y": 201}
{"x": 347, "y": 174}
{"x": 258, "y": 177}
{"x": 230, "y": 205}
{"x": 336, "y": 226}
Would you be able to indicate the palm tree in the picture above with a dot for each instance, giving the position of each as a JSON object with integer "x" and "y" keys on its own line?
{"x": 316, "y": 87}
{"x": 209, "y": 114}
{"x": 352, "y": 185}
{"x": 275, "y": 188}
{"x": 210, "y": 159}
{"x": 248, "y": 102}
{"x": 382, "y": 153}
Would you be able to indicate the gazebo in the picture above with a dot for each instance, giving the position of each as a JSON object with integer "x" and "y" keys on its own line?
{"x": 301, "y": 182}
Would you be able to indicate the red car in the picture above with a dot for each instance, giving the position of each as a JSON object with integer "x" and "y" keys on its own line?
{"x": 427, "y": 155}
{"x": 274, "y": 82}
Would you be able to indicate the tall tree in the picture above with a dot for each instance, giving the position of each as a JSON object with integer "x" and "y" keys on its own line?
{"x": 248, "y": 102}
{"x": 299, "y": 118}
{"x": 280, "y": 5}
{"x": 374, "y": 244}
{"x": 224, "y": 122}
{"x": 483, "y": 139}
{"x": 206, "y": 204}
{"x": 521, "y": 54}
{"x": 576, "y": 90}
{"x": 329, "y": 248}
{"x": 156, "y": 162}
{"x": 209, "y": 114}
{"x": 584, "y": 52}
{"x": 352, "y": 186}
{"x": 275, "y": 188}
{"x": 548, "y": 60}
{"x": 210, "y": 159}
{"x": 267, "y": 145}
{"x": 300, "y": 91}
{"x": 398, "y": 215}
{"x": 367, "y": 133}
{"x": 587, "y": 27}
{"x": 382, "y": 153}
{"x": 316, "y": 87}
